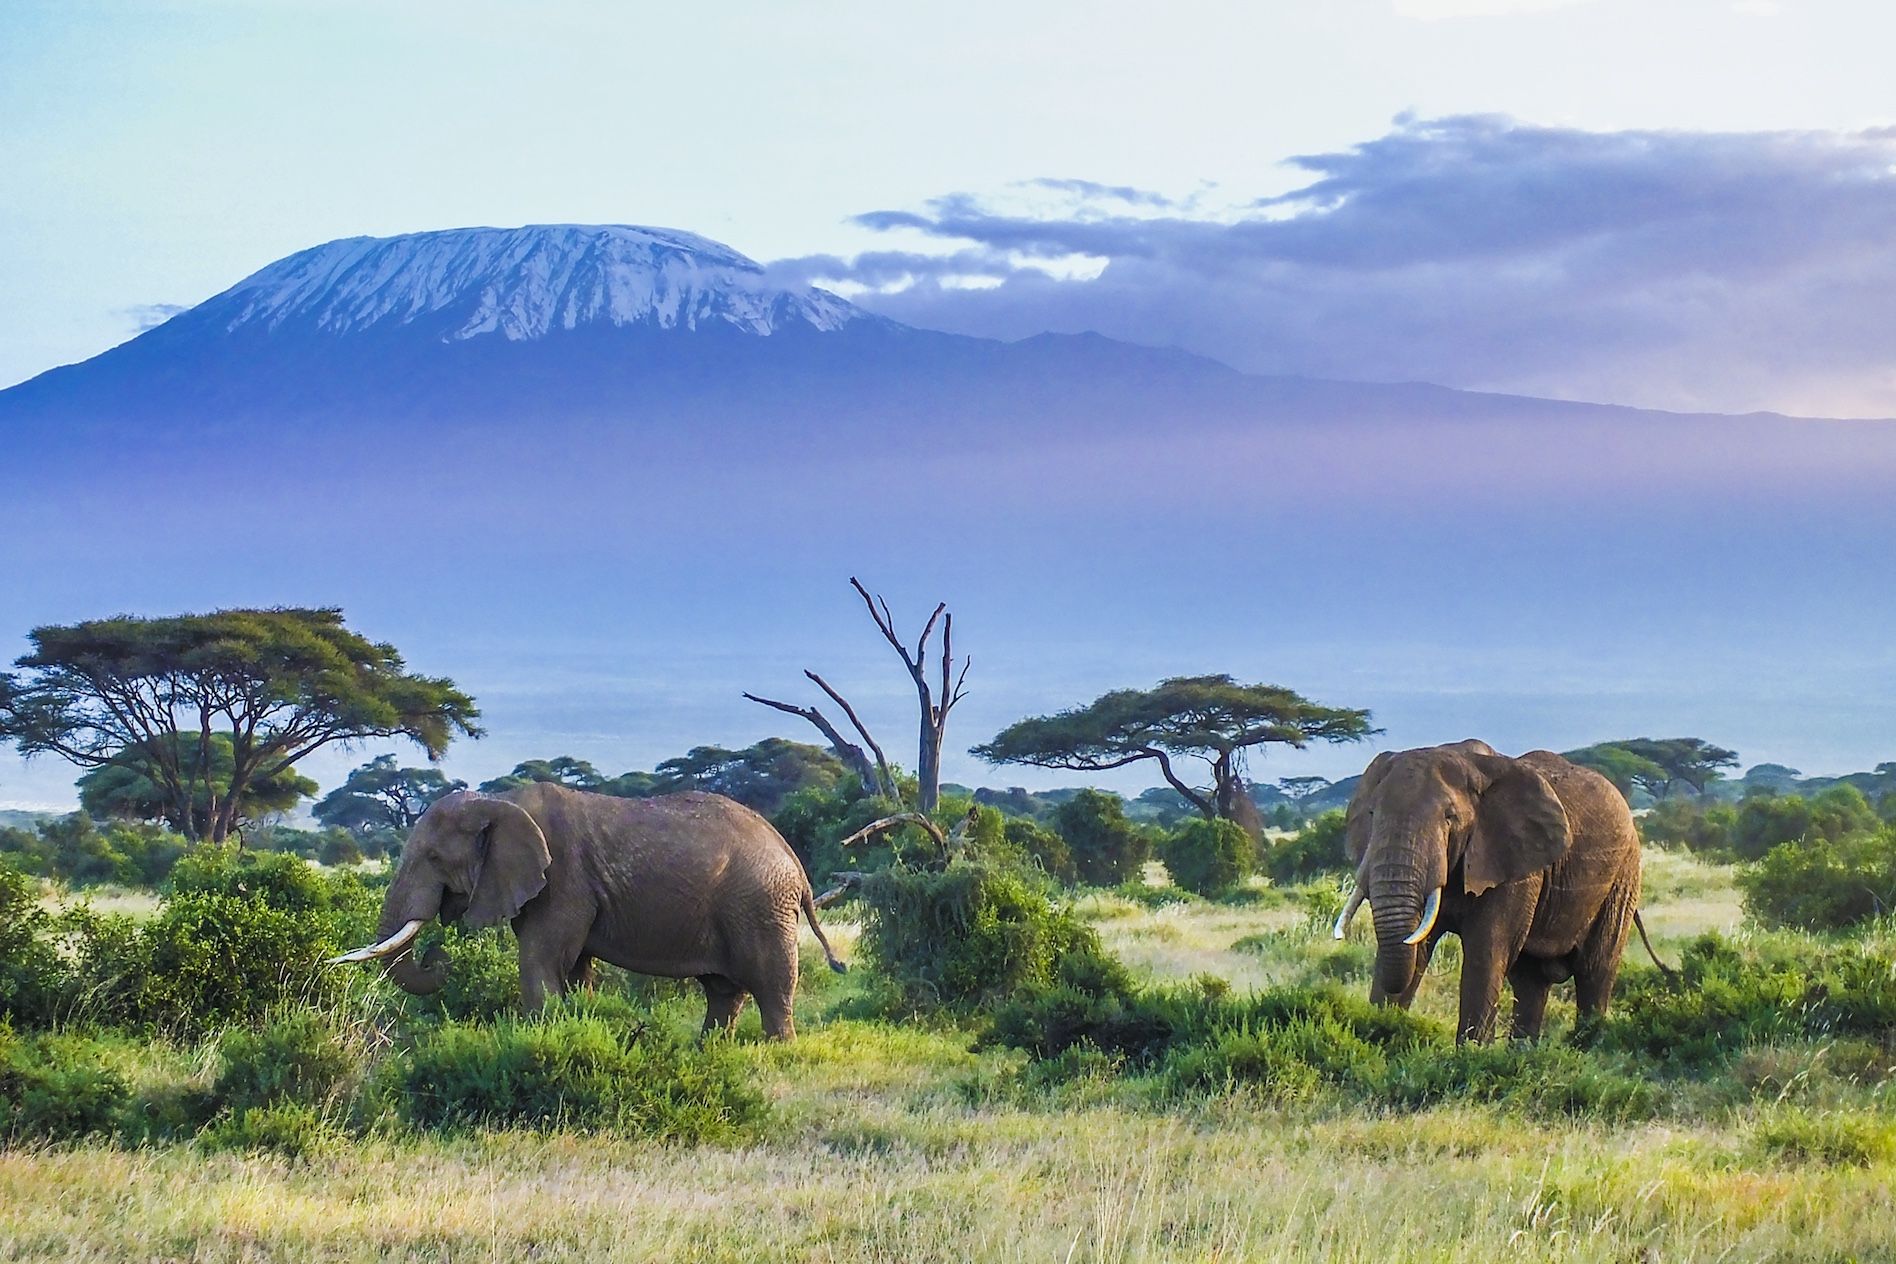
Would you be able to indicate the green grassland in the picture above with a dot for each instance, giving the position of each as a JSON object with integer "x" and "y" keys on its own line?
{"x": 907, "y": 1141}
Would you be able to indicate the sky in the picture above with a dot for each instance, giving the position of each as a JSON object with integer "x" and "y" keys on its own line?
{"x": 1682, "y": 204}
{"x": 1675, "y": 203}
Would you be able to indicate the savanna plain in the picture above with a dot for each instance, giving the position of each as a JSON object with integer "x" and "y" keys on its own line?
{"x": 882, "y": 1136}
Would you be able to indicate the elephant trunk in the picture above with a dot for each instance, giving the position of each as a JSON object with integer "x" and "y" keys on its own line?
{"x": 404, "y": 913}
{"x": 420, "y": 978}
{"x": 1400, "y": 884}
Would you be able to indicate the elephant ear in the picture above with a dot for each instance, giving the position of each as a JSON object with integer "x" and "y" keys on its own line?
{"x": 1356, "y": 823}
{"x": 512, "y": 865}
{"x": 1520, "y": 828}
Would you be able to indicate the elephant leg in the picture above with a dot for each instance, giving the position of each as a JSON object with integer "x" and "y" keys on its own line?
{"x": 1531, "y": 985}
{"x": 773, "y": 980}
{"x": 1492, "y": 941}
{"x": 1596, "y": 967}
{"x": 723, "y": 1002}
{"x": 546, "y": 968}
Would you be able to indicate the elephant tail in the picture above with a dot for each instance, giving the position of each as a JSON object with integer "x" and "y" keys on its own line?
{"x": 1672, "y": 976}
{"x": 809, "y": 911}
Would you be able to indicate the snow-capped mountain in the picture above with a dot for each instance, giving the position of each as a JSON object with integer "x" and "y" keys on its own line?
{"x": 522, "y": 283}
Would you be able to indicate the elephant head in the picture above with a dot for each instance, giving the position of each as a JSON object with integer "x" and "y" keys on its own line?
{"x": 470, "y": 858}
{"x": 1421, "y": 818}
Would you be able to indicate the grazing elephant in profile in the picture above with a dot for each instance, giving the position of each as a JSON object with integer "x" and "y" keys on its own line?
{"x": 1532, "y": 861}
{"x": 687, "y": 886}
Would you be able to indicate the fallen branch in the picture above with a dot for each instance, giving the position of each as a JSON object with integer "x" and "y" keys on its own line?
{"x": 947, "y": 844}
{"x": 848, "y": 882}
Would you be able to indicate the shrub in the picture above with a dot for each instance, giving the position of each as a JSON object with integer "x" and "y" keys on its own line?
{"x": 1107, "y": 848}
{"x": 1208, "y": 857}
{"x": 972, "y": 935}
{"x": 1045, "y": 847}
{"x": 593, "y": 1067}
{"x": 1690, "y": 825}
{"x": 235, "y": 936}
{"x": 1313, "y": 852}
{"x": 1540, "y": 1079}
{"x": 297, "y": 1057}
{"x": 1821, "y": 884}
{"x": 31, "y": 974}
{"x": 483, "y": 976}
{"x": 1729, "y": 998}
{"x": 57, "y": 1088}
{"x": 288, "y": 1128}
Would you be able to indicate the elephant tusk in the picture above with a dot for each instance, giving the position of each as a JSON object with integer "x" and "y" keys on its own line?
{"x": 1427, "y": 924}
{"x": 394, "y": 943}
{"x": 1349, "y": 911}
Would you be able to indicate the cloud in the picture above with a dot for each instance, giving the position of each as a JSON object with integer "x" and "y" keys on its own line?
{"x": 151, "y": 315}
{"x": 1725, "y": 271}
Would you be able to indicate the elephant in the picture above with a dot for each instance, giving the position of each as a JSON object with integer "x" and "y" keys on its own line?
{"x": 1532, "y": 860}
{"x": 688, "y": 885}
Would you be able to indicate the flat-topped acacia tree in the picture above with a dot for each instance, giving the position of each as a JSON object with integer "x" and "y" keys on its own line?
{"x": 278, "y": 683}
{"x": 1211, "y": 718}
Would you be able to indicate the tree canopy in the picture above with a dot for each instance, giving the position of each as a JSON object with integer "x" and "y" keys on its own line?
{"x": 128, "y": 789}
{"x": 381, "y": 796}
{"x": 760, "y": 776}
{"x": 1656, "y": 765}
{"x": 1210, "y": 718}
{"x": 279, "y": 683}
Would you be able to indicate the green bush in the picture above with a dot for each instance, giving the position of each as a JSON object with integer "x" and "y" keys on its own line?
{"x": 80, "y": 851}
{"x": 1797, "y": 1136}
{"x": 58, "y": 1088}
{"x": 969, "y": 936}
{"x": 235, "y": 936}
{"x": 1043, "y": 846}
{"x": 1730, "y": 997}
{"x": 483, "y": 977}
{"x": 1539, "y": 1080}
{"x": 1313, "y": 852}
{"x": 1107, "y": 849}
{"x": 1209, "y": 857}
{"x": 1823, "y": 884}
{"x": 31, "y": 973}
{"x": 298, "y": 1057}
{"x": 1690, "y": 825}
{"x": 592, "y": 1067}
{"x": 288, "y": 1128}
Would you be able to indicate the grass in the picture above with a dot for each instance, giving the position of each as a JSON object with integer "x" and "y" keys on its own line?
{"x": 887, "y": 1143}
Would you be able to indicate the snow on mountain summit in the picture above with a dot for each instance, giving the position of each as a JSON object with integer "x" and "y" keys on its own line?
{"x": 523, "y": 283}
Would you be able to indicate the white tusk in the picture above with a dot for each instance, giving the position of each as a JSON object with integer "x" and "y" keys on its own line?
{"x": 393, "y": 943}
{"x": 1427, "y": 924}
{"x": 1349, "y": 911}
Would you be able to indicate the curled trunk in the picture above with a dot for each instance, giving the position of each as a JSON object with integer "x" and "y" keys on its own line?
{"x": 417, "y": 977}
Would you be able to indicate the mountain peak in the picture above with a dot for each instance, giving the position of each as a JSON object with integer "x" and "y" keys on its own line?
{"x": 522, "y": 284}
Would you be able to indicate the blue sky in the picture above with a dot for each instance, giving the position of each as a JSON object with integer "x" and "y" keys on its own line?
{"x": 1684, "y": 204}
{"x": 155, "y": 152}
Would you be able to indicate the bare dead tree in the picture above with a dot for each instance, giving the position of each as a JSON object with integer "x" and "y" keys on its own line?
{"x": 934, "y": 708}
{"x": 877, "y": 776}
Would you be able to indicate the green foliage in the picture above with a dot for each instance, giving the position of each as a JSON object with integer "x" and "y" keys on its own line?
{"x": 596, "y": 1068}
{"x": 297, "y": 1057}
{"x": 1731, "y": 996}
{"x": 1208, "y": 857}
{"x": 131, "y": 787}
{"x": 235, "y": 936}
{"x": 1106, "y": 848}
{"x": 1044, "y": 847}
{"x": 760, "y": 777}
{"x": 1820, "y": 884}
{"x": 1657, "y": 765}
{"x": 31, "y": 972}
{"x": 1792, "y": 1135}
{"x": 379, "y": 797}
{"x": 1315, "y": 851}
{"x": 82, "y": 852}
{"x": 1209, "y": 718}
{"x": 971, "y": 936}
{"x": 281, "y": 683}
{"x": 483, "y": 980}
{"x": 289, "y": 1128}
{"x": 57, "y": 1088}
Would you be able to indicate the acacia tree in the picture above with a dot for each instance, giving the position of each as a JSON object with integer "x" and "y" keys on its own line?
{"x": 1209, "y": 718}
{"x": 1656, "y": 765}
{"x": 379, "y": 795}
{"x": 877, "y": 777}
{"x": 127, "y": 788}
{"x": 279, "y": 683}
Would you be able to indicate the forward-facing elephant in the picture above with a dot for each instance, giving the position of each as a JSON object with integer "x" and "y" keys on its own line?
{"x": 1532, "y": 861}
{"x": 683, "y": 886}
